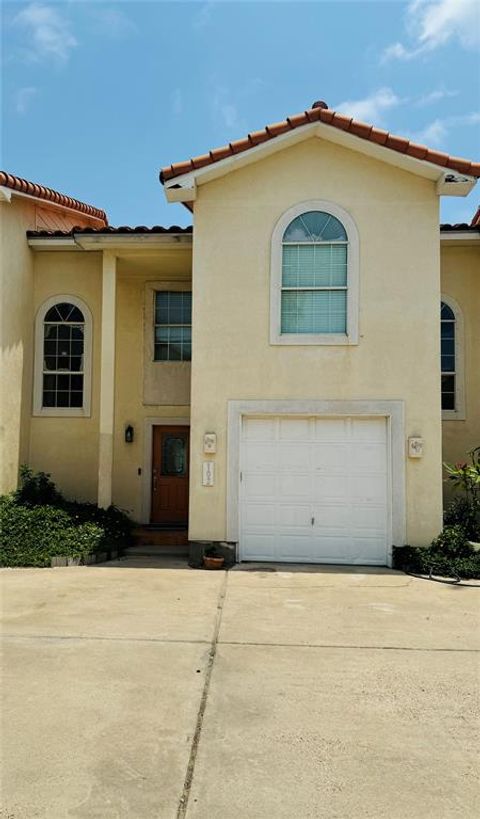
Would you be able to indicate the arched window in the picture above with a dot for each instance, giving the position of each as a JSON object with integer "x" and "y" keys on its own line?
{"x": 63, "y": 346}
{"x": 451, "y": 332}
{"x": 314, "y": 276}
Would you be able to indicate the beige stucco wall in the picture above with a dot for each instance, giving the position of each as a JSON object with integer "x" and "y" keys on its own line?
{"x": 16, "y": 334}
{"x": 460, "y": 278}
{"x": 397, "y": 357}
{"x": 133, "y": 369}
{"x": 68, "y": 447}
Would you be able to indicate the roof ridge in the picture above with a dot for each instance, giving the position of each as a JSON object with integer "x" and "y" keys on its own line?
{"x": 17, "y": 183}
{"x": 321, "y": 113}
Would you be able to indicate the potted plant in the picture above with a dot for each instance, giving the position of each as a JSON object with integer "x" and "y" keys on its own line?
{"x": 212, "y": 559}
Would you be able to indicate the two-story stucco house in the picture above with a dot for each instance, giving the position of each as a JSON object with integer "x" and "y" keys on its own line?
{"x": 281, "y": 376}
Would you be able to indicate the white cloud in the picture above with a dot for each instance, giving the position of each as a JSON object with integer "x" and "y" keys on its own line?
{"x": 203, "y": 17}
{"x": 23, "y": 99}
{"x": 113, "y": 23}
{"x": 371, "y": 108}
{"x": 225, "y": 111}
{"x": 436, "y": 133}
{"x": 49, "y": 32}
{"x": 434, "y": 96}
{"x": 432, "y": 23}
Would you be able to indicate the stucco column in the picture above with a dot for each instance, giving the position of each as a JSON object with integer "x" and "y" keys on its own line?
{"x": 107, "y": 379}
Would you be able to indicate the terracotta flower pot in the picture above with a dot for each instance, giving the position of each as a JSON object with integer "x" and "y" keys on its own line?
{"x": 213, "y": 562}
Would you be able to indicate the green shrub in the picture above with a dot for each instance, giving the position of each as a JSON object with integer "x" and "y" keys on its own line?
{"x": 32, "y": 535}
{"x": 38, "y": 523}
{"x": 449, "y": 555}
{"x": 462, "y": 512}
{"x": 116, "y": 525}
{"x": 36, "y": 488}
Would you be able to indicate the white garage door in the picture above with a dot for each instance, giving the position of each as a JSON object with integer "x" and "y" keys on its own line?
{"x": 314, "y": 490}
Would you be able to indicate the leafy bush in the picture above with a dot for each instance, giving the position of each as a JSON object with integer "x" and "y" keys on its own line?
{"x": 449, "y": 555}
{"x": 32, "y": 535}
{"x": 36, "y": 488}
{"x": 462, "y": 512}
{"x": 37, "y": 523}
{"x": 116, "y": 525}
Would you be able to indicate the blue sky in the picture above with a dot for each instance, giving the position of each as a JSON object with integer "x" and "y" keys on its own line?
{"x": 98, "y": 96}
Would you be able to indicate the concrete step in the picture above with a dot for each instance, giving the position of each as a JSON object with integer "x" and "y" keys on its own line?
{"x": 153, "y": 536}
{"x": 157, "y": 550}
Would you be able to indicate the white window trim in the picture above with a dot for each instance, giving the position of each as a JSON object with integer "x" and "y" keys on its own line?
{"x": 458, "y": 414}
{"x": 62, "y": 412}
{"x": 149, "y": 324}
{"x": 351, "y": 336}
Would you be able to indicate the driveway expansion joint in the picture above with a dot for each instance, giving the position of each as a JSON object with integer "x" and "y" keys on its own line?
{"x": 342, "y": 646}
{"x": 187, "y": 785}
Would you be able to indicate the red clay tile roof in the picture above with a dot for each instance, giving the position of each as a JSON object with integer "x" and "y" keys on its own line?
{"x": 319, "y": 112}
{"x": 108, "y": 230}
{"x": 476, "y": 219}
{"x": 16, "y": 183}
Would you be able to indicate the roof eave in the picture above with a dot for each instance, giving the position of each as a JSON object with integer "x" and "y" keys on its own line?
{"x": 183, "y": 188}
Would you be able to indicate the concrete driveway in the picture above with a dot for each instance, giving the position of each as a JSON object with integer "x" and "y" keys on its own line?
{"x": 140, "y": 689}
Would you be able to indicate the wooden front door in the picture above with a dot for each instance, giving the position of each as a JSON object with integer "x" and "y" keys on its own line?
{"x": 170, "y": 475}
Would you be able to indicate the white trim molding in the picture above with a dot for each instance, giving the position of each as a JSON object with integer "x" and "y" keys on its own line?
{"x": 353, "y": 286}
{"x": 148, "y": 425}
{"x": 62, "y": 412}
{"x": 458, "y": 414}
{"x": 392, "y": 411}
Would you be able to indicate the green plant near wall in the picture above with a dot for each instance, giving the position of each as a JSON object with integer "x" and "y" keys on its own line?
{"x": 38, "y": 523}
{"x": 464, "y": 510}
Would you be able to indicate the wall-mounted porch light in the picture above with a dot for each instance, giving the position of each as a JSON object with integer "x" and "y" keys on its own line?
{"x": 129, "y": 434}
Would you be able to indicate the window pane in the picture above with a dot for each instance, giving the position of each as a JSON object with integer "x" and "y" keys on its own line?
{"x": 448, "y": 363}
{"x": 173, "y": 333}
{"x": 448, "y": 400}
{"x": 314, "y": 312}
{"x": 447, "y": 329}
{"x": 314, "y": 265}
{"x": 173, "y": 456}
{"x": 315, "y": 226}
{"x": 446, "y": 312}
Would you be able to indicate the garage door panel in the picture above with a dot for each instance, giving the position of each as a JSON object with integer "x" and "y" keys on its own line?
{"x": 294, "y": 547}
{"x": 260, "y": 486}
{"x": 260, "y": 456}
{"x": 331, "y": 429}
{"x": 329, "y": 458}
{"x": 367, "y": 458}
{"x": 314, "y": 490}
{"x": 259, "y": 429}
{"x": 294, "y": 429}
{"x": 368, "y": 429}
{"x": 371, "y": 490}
{"x": 368, "y": 551}
{"x": 294, "y": 486}
{"x": 294, "y": 457}
{"x": 330, "y": 487}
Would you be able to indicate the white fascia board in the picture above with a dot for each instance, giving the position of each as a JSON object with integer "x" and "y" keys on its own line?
{"x": 187, "y": 182}
{"x": 138, "y": 240}
{"x": 460, "y": 237}
{"x": 5, "y": 194}
{"x": 111, "y": 242}
{"x": 52, "y": 243}
{"x": 453, "y": 183}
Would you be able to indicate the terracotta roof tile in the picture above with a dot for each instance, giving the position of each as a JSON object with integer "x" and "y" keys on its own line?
{"x": 16, "y": 183}
{"x": 476, "y": 218}
{"x": 326, "y": 115}
{"x": 108, "y": 230}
